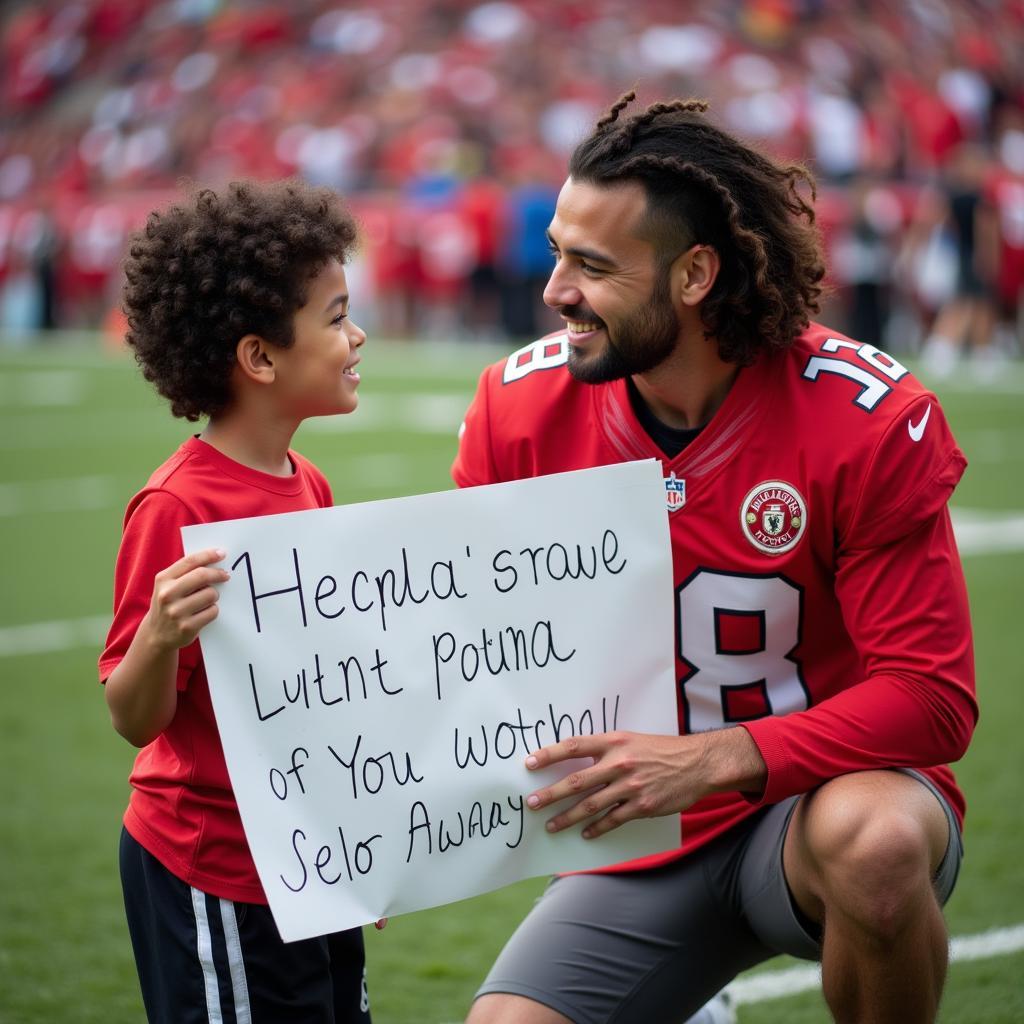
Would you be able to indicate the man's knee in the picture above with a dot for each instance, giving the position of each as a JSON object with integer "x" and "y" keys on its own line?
{"x": 866, "y": 848}
{"x": 503, "y": 1008}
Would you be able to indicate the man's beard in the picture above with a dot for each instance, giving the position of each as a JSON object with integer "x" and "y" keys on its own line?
{"x": 642, "y": 341}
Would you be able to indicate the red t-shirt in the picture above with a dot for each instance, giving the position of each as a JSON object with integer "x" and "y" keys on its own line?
{"x": 182, "y": 808}
{"x": 819, "y": 597}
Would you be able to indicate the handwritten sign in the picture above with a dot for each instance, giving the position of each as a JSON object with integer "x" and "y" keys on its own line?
{"x": 380, "y": 672}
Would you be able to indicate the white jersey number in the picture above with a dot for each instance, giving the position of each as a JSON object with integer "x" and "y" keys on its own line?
{"x": 545, "y": 354}
{"x": 875, "y": 378}
{"x": 736, "y": 634}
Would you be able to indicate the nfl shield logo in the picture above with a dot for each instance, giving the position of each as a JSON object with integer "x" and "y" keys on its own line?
{"x": 675, "y": 492}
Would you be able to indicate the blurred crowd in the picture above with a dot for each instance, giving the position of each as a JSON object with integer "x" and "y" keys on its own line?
{"x": 447, "y": 123}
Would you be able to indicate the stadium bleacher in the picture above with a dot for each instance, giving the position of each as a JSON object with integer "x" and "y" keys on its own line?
{"x": 448, "y": 124}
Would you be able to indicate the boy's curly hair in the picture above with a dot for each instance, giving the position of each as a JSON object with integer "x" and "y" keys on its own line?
{"x": 704, "y": 186}
{"x": 229, "y": 263}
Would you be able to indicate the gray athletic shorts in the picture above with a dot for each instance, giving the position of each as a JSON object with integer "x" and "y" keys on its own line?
{"x": 654, "y": 946}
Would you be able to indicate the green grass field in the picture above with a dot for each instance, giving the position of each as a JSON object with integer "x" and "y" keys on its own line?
{"x": 80, "y": 433}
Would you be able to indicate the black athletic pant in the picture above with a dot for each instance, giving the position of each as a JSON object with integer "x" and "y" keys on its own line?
{"x": 205, "y": 960}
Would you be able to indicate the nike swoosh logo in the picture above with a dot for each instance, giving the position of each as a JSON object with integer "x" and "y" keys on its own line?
{"x": 916, "y": 430}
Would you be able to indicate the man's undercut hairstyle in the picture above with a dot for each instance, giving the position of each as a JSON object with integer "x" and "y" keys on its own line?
{"x": 704, "y": 186}
{"x": 201, "y": 276}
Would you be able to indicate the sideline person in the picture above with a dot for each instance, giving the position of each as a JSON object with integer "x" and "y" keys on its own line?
{"x": 823, "y": 645}
{"x": 238, "y": 312}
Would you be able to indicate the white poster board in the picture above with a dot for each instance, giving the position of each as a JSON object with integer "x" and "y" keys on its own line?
{"x": 379, "y": 673}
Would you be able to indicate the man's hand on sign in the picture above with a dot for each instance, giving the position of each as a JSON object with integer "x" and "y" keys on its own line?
{"x": 637, "y": 775}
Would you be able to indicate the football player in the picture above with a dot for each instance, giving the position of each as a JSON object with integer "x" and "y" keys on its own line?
{"x": 823, "y": 645}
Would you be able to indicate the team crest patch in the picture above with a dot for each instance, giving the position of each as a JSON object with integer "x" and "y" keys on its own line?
{"x": 774, "y": 517}
{"x": 675, "y": 492}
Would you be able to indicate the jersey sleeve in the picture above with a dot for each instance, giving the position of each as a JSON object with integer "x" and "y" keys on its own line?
{"x": 907, "y": 478}
{"x": 151, "y": 541}
{"x": 901, "y": 591}
{"x": 474, "y": 463}
{"x": 914, "y": 705}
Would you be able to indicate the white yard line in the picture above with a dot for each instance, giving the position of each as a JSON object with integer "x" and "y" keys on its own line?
{"x": 46, "y": 388}
{"x": 424, "y": 414}
{"x": 71, "y": 494}
{"x": 983, "y": 533}
{"x": 760, "y": 988}
{"x": 51, "y": 637}
{"x": 779, "y": 984}
{"x": 438, "y": 414}
{"x": 978, "y": 533}
{"x": 85, "y": 493}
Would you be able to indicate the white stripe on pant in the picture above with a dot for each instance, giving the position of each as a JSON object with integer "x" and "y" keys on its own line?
{"x": 236, "y": 965}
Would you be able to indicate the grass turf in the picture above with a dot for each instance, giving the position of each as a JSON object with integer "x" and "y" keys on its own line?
{"x": 70, "y": 413}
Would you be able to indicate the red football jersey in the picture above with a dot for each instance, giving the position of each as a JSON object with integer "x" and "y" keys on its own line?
{"x": 182, "y": 808}
{"x": 819, "y": 597}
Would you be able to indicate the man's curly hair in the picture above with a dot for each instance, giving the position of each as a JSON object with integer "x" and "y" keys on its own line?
{"x": 203, "y": 275}
{"x": 705, "y": 187}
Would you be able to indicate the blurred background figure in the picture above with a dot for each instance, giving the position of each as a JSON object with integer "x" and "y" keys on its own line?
{"x": 1005, "y": 235}
{"x": 481, "y": 205}
{"x": 926, "y": 268}
{"x": 447, "y": 125}
{"x": 526, "y": 256}
{"x": 967, "y": 313}
{"x": 862, "y": 259}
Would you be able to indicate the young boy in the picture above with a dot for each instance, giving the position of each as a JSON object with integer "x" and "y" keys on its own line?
{"x": 237, "y": 308}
